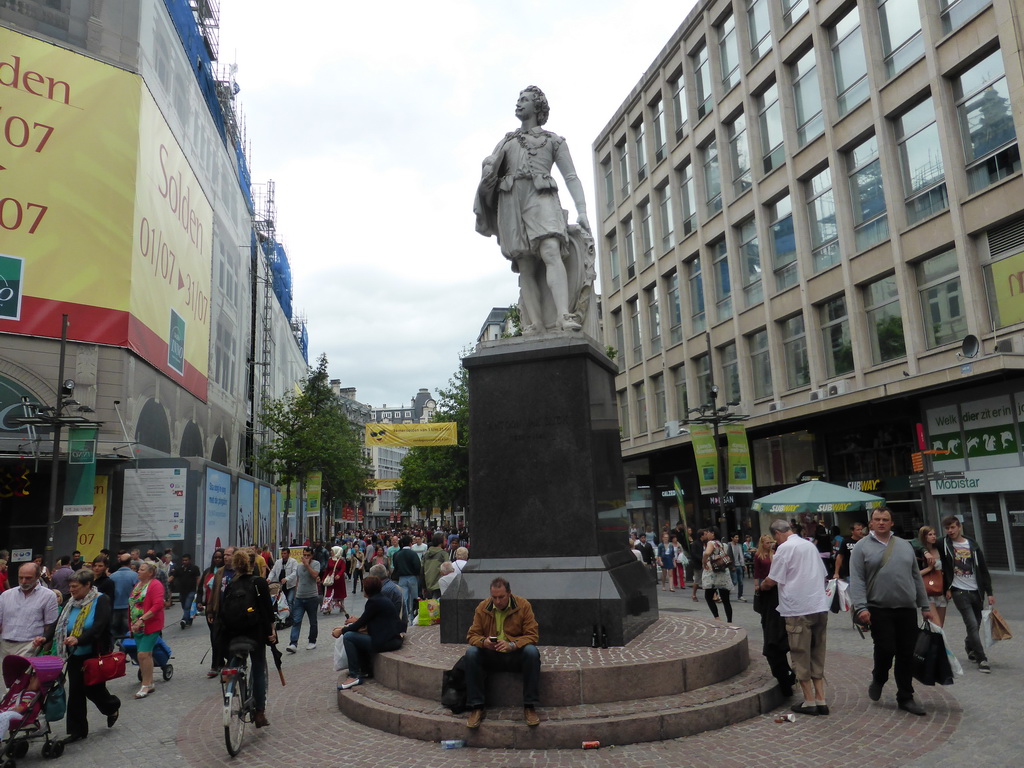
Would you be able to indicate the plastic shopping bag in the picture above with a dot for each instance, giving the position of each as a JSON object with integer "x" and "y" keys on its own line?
{"x": 340, "y": 657}
{"x": 987, "y": 641}
{"x": 429, "y": 612}
{"x": 954, "y": 663}
{"x": 844, "y": 595}
{"x": 931, "y": 664}
{"x": 832, "y": 593}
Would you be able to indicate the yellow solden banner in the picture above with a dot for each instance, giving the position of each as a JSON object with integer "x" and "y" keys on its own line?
{"x": 92, "y": 529}
{"x": 68, "y": 146}
{"x": 1008, "y": 285}
{"x": 314, "y": 481}
{"x": 172, "y": 257}
{"x": 385, "y": 483}
{"x": 413, "y": 435}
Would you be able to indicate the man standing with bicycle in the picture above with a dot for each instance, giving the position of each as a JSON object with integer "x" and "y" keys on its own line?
{"x": 245, "y": 611}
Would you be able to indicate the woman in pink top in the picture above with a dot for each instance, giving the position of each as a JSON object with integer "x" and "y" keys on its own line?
{"x": 146, "y": 610}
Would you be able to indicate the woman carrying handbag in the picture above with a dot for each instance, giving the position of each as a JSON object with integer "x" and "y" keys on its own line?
{"x": 82, "y": 632}
{"x": 333, "y": 579}
{"x": 929, "y": 561}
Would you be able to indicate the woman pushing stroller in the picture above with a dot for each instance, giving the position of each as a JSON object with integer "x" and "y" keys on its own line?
{"x": 83, "y": 632}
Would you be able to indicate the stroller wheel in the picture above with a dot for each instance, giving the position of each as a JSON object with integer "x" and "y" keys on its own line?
{"x": 7, "y": 762}
{"x": 19, "y": 749}
{"x": 57, "y": 749}
{"x": 168, "y": 671}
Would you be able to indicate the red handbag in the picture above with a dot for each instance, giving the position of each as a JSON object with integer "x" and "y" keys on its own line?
{"x": 103, "y": 668}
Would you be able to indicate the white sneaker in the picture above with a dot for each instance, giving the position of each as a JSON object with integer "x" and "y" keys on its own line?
{"x": 311, "y": 647}
{"x": 291, "y": 648}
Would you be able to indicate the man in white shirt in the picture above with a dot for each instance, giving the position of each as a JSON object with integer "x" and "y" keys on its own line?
{"x": 25, "y": 614}
{"x": 798, "y": 571}
{"x": 461, "y": 558}
{"x": 419, "y": 547}
{"x": 284, "y": 573}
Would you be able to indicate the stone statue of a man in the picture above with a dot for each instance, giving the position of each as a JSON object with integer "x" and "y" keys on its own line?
{"x": 517, "y": 200}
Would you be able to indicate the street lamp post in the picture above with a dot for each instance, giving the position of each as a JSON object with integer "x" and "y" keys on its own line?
{"x": 54, "y": 417}
{"x": 715, "y": 415}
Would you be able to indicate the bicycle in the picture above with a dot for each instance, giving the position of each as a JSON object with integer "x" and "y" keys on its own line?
{"x": 239, "y": 703}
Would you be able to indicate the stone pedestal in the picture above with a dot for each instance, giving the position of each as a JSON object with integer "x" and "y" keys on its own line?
{"x": 547, "y": 505}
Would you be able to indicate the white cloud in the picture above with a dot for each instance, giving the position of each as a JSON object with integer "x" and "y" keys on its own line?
{"x": 372, "y": 120}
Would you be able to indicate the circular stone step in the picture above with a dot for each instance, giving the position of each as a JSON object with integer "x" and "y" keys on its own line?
{"x": 673, "y": 655}
{"x": 660, "y": 686}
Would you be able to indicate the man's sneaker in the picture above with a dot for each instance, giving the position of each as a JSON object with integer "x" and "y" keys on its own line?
{"x": 311, "y": 646}
{"x": 291, "y": 648}
{"x": 984, "y": 667}
{"x": 971, "y": 655}
{"x": 182, "y": 624}
{"x": 874, "y": 691}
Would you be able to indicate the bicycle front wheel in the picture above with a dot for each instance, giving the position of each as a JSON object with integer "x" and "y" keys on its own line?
{"x": 234, "y": 722}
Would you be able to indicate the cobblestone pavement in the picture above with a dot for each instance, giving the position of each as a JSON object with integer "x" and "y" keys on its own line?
{"x": 974, "y": 722}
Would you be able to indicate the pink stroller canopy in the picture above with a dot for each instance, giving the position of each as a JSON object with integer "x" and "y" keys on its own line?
{"x": 48, "y": 668}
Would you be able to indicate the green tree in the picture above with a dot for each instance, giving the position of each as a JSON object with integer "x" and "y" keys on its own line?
{"x": 311, "y": 433}
{"x": 439, "y": 475}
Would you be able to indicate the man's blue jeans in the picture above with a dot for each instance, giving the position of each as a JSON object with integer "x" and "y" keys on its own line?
{"x": 186, "y": 606}
{"x": 969, "y": 603}
{"x": 309, "y": 606}
{"x": 737, "y": 580}
{"x": 480, "y": 661}
{"x": 411, "y": 587}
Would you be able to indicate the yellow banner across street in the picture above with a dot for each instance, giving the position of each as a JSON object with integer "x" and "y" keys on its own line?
{"x": 412, "y": 435}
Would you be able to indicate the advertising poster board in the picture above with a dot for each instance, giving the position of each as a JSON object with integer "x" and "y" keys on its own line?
{"x": 154, "y": 504}
{"x": 217, "y": 525}
{"x": 244, "y": 523}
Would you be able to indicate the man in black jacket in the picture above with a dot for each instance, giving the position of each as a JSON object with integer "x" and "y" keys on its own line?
{"x": 103, "y": 582}
{"x": 184, "y": 578}
{"x": 967, "y": 581}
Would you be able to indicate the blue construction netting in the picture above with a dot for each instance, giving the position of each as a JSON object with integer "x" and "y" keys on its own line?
{"x": 245, "y": 178}
{"x": 198, "y": 57}
{"x": 282, "y": 273}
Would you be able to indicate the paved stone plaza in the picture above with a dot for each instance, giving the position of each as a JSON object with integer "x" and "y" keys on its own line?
{"x": 976, "y": 722}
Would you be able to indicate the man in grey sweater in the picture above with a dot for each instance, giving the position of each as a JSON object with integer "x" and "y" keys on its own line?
{"x": 886, "y": 590}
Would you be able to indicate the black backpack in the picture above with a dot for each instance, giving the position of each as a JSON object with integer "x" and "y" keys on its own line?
{"x": 239, "y": 607}
{"x": 453, "y": 687}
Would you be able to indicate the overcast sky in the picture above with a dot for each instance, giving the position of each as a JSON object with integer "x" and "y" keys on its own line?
{"x": 372, "y": 120}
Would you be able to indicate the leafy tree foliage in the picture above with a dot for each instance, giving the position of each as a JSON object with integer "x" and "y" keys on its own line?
{"x": 438, "y": 476}
{"x": 311, "y": 433}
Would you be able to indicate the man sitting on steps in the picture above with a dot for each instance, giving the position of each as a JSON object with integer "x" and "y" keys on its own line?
{"x": 503, "y": 638}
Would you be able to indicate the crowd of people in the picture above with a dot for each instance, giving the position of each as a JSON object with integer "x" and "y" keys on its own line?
{"x": 80, "y": 610}
{"x": 790, "y": 570}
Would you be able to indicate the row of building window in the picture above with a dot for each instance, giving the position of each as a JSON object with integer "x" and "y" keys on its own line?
{"x": 943, "y": 314}
{"x": 989, "y": 140}
{"x": 901, "y": 44}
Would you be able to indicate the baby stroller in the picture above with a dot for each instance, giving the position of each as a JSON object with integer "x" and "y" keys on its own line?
{"x": 17, "y": 672}
{"x": 161, "y": 656}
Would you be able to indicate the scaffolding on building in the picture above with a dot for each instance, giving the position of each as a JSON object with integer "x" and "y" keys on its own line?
{"x": 207, "y": 16}
{"x": 265, "y": 228}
